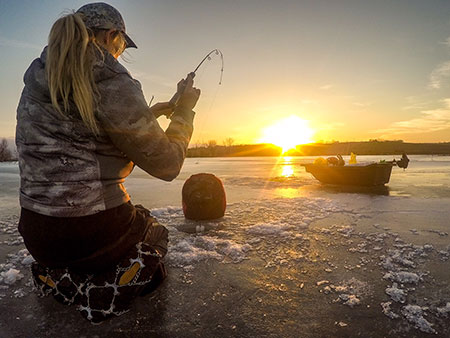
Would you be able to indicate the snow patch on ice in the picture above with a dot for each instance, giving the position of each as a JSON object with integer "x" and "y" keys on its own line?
{"x": 165, "y": 212}
{"x": 11, "y": 276}
{"x": 8, "y": 226}
{"x": 10, "y": 272}
{"x": 345, "y": 230}
{"x": 414, "y": 314}
{"x": 403, "y": 277}
{"x": 350, "y": 300}
{"x": 386, "y": 306}
{"x": 443, "y": 311}
{"x": 195, "y": 249}
{"x": 349, "y": 291}
{"x": 185, "y": 253}
{"x": 279, "y": 229}
{"x": 397, "y": 295}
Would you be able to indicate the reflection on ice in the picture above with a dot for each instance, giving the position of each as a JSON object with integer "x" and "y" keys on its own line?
{"x": 376, "y": 190}
{"x": 285, "y": 164}
{"x": 287, "y": 171}
{"x": 290, "y": 192}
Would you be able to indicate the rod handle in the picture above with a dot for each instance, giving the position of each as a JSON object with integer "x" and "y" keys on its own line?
{"x": 174, "y": 100}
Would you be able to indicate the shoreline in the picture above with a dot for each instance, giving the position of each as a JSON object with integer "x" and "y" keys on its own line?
{"x": 383, "y": 148}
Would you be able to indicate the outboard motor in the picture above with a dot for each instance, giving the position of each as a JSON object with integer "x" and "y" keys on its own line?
{"x": 403, "y": 163}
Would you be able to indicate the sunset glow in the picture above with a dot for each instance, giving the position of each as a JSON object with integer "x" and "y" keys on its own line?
{"x": 288, "y": 133}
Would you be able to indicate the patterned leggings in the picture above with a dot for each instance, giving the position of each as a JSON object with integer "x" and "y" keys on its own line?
{"x": 108, "y": 293}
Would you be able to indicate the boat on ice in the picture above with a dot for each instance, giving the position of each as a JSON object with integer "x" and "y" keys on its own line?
{"x": 357, "y": 174}
{"x": 363, "y": 175}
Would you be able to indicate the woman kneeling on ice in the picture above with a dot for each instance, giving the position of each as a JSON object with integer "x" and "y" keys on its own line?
{"x": 82, "y": 125}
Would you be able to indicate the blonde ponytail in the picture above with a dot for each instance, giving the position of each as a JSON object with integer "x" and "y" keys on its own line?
{"x": 70, "y": 58}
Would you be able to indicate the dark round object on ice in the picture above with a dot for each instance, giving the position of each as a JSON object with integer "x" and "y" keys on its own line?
{"x": 203, "y": 197}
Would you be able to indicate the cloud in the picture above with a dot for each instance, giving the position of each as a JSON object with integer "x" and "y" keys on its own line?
{"x": 416, "y": 103}
{"x": 446, "y": 42}
{"x": 5, "y": 42}
{"x": 326, "y": 87}
{"x": 362, "y": 104}
{"x": 429, "y": 121}
{"x": 440, "y": 73}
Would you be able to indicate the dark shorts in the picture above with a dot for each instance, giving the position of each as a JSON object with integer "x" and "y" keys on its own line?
{"x": 102, "y": 283}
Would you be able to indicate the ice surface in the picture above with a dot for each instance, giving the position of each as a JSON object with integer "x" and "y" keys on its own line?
{"x": 263, "y": 227}
{"x": 261, "y": 224}
{"x": 284, "y": 233}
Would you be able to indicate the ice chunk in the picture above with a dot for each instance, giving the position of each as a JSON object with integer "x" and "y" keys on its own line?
{"x": 11, "y": 276}
{"x": 350, "y": 300}
{"x": 397, "y": 258}
{"x": 340, "y": 288}
{"x": 27, "y": 260}
{"x": 386, "y": 306}
{"x": 396, "y": 294}
{"x": 402, "y": 277}
{"x": 341, "y": 324}
{"x": 19, "y": 293}
{"x": 428, "y": 247}
{"x": 319, "y": 283}
{"x": 414, "y": 314}
{"x": 196, "y": 249}
{"x": 186, "y": 253}
{"x": 443, "y": 311}
{"x": 279, "y": 228}
{"x": 345, "y": 230}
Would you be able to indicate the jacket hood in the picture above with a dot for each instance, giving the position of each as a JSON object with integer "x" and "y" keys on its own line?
{"x": 35, "y": 78}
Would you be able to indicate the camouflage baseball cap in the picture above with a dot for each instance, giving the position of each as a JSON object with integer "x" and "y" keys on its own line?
{"x": 103, "y": 16}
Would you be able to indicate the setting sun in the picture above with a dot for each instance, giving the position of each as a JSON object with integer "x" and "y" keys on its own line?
{"x": 288, "y": 133}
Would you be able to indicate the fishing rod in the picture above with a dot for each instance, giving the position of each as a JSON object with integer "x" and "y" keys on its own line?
{"x": 174, "y": 100}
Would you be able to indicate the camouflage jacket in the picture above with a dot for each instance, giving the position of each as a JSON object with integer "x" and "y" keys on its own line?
{"x": 65, "y": 170}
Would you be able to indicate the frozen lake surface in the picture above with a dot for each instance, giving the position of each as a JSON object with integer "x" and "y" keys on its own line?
{"x": 291, "y": 255}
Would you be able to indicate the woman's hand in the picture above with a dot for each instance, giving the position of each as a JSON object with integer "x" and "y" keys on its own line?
{"x": 190, "y": 94}
{"x": 162, "y": 108}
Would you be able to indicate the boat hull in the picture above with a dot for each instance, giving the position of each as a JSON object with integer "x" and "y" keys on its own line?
{"x": 369, "y": 175}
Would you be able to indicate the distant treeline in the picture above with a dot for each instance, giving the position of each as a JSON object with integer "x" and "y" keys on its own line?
{"x": 373, "y": 147}
{"x": 5, "y": 152}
